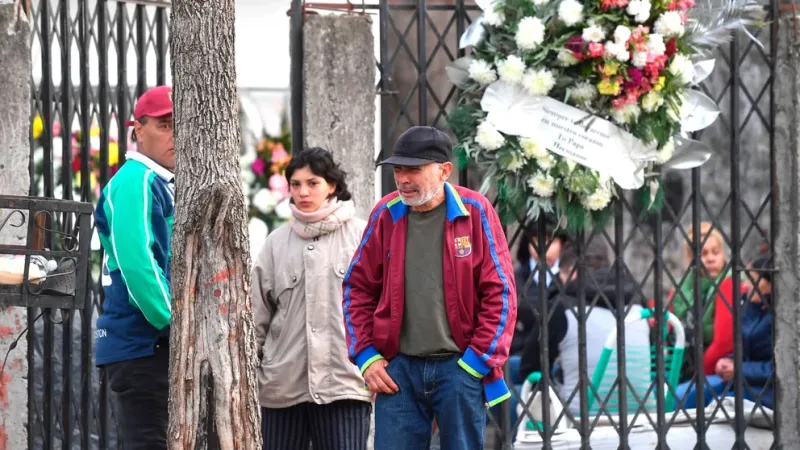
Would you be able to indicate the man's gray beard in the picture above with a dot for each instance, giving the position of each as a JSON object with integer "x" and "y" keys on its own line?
{"x": 422, "y": 200}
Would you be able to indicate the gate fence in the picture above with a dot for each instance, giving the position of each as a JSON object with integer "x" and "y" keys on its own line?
{"x": 733, "y": 191}
{"x": 94, "y": 57}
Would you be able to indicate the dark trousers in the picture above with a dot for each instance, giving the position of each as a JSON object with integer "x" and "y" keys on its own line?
{"x": 140, "y": 392}
{"x": 342, "y": 425}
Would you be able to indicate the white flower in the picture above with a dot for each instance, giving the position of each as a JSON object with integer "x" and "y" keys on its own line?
{"x": 546, "y": 162}
{"x": 257, "y": 231}
{"x": 482, "y": 72}
{"x": 570, "y": 165}
{"x": 655, "y": 44}
{"x": 669, "y": 24}
{"x": 283, "y": 210}
{"x": 511, "y": 69}
{"x": 593, "y": 33}
{"x": 618, "y": 51}
{"x": 639, "y": 59}
{"x": 566, "y": 58}
{"x": 542, "y": 184}
{"x": 516, "y": 163}
{"x": 664, "y": 154}
{"x": 626, "y": 114}
{"x": 264, "y": 201}
{"x": 246, "y": 160}
{"x": 570, "y": 12}
{"x": 488, "y": 137}
{"x": 682, "y": 68}
{"x": 248, "y": 177}
{"x": 583, "y": 92}
{"x": 539, "y": 82}
{"x": 540, "y": 2}
{"x": 640, "y": 10}
{"x": 494, "y": 18}
{"x": 532, "y": 148}
{"x": 598, "y": 200}
{"x": 652, "y": 101}
{"x": 530, "y": 33}
{"x": 622, "y": 34}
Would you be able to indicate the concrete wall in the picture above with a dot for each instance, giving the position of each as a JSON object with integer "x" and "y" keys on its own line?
{"x": 15, "y": 69}
{"x": 339, "y": 98}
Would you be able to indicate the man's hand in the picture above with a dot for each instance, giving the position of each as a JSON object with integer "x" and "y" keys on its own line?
{"x": 378, "y": 380}
{"x": 725, "y": 368}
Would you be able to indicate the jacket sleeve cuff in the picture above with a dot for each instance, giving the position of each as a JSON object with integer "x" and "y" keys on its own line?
{"x": 367, "y": 356}
{"x": 496, "y": 392}
{"x": 473, "y": 364}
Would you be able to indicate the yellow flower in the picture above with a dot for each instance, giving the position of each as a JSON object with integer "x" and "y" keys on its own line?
{"x": 38, "y": 127}
{"x": 94, "y": 132}
{"x": 660, "y": 84}
{"x": 113, "y": 154}
{"x": 610, "y": 68}
{"x": 608, "y": 87}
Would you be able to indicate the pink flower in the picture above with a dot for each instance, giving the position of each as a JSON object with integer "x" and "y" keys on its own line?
{"x": 595, "y": 50}
{"x": 56, "y": 128}
{"x": 608, "y": 4}
{"x": 635, "y": 78}
{"x": 258, "y": 166}
{"x": 279, "y": 185}
{"x": 278, "y": 154}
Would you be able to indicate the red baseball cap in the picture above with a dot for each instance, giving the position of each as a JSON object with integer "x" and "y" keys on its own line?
{"x": 155, "y": 102}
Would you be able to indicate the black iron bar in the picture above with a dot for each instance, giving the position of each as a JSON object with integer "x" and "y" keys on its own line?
{"x": 736, "y": 244}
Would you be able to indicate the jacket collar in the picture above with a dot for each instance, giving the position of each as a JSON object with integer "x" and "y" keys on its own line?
{"x": 161, "y": 171}
{"x": 455, "y": 207}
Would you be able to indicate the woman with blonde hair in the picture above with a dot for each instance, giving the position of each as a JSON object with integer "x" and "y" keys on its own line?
{"x": 716, "y": 293}
{"x": 308, "y": 389}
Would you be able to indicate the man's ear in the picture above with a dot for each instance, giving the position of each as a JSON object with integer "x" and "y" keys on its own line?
{"x": 447, "y": 169}
{"x": 137, "y": 129}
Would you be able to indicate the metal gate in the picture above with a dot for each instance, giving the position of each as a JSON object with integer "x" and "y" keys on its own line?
{"x": 91, "y": 59}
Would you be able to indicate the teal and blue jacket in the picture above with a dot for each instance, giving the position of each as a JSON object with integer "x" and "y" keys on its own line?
{"x": 134, "y": 221}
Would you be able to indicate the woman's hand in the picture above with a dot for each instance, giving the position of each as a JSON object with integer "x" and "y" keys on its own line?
{"x": 725, "y": 368}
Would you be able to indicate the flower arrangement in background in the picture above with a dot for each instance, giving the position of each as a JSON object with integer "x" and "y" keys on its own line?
{"x": 566, "y": 103}
{"x": 263, "y": 180}
{"x": 76, "y": 138}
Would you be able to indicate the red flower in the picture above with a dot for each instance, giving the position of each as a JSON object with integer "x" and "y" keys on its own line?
{"x": 672, "y": 47}
{"x": 258, "y": 166}
{"x": 575, "y": 45}
{"x": 595, "y": 49}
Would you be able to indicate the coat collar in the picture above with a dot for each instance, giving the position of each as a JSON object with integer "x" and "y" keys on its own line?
{"x": 455, "y": 207}
{"x": 161, "y": 171}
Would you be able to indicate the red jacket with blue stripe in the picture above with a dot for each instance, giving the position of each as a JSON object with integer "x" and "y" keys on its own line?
{"x": 479, "y": 290}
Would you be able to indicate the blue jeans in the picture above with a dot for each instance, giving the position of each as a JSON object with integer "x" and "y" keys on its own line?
{"x": 434, "y": 386}
{"x": 713, "y": 383}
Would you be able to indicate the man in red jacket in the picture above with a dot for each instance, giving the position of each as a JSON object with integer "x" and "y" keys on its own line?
{"x": 430, "y": 302}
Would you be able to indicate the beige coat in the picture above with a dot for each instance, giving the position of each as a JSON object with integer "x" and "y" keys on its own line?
{"x": 297, "y": 304}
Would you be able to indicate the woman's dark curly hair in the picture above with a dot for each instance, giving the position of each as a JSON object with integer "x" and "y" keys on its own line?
{"x": 320, "y": 162}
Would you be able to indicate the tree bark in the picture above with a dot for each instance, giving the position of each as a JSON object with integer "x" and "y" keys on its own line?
{"x": 213, "y": 390}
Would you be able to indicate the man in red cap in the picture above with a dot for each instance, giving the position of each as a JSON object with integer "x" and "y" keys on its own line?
{"x": 134, "y": 220}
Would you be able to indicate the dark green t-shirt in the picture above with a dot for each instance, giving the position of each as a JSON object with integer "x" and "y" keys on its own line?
{"x": 425, "y": 330}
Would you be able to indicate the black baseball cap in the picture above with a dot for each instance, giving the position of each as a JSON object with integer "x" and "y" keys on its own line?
{"x": 418, "y": 146}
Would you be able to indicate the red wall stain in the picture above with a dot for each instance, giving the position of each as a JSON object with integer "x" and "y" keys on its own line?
{"x": 4, "y": 389}
{"x": 6, "y": 331}
{"x": 3, "y": 437}
{"x": 223, "y": 309}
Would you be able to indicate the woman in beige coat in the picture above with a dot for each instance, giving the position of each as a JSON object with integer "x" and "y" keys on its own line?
{"x": 308, "y": 389}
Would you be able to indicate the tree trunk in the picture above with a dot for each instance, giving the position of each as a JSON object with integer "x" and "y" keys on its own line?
{"x": 213, "y": 390}
{"x": 15, "y": 112}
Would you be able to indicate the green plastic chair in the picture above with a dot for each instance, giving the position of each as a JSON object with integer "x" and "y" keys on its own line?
{"x": 601, "y": 383}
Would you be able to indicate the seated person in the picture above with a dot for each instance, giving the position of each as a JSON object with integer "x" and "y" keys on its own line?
{"x": 716, "y": 293}
{"x": 757, "y": 366}
{"x": 562, "y": 339}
